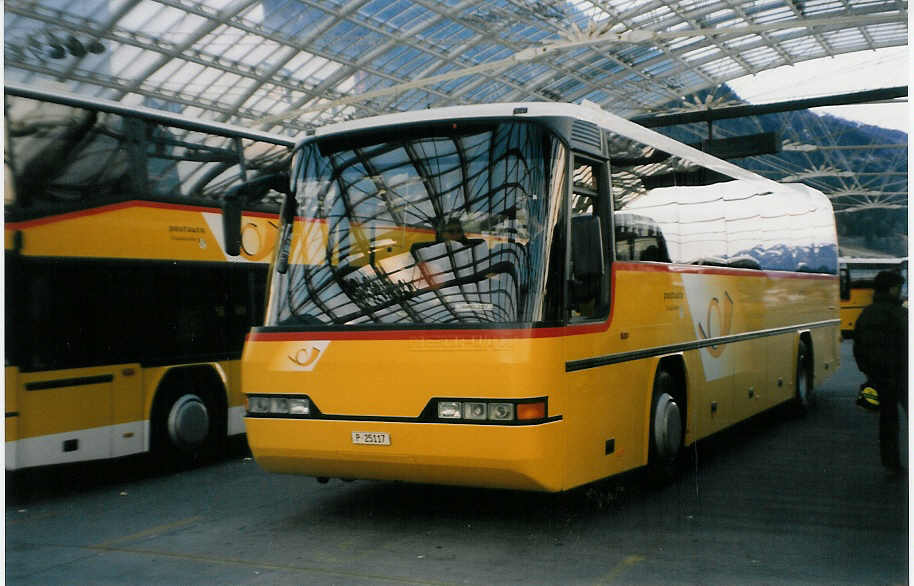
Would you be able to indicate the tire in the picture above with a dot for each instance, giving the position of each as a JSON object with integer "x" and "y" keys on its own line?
{"x": 188, "y": 423}
{"x": 666, "y": 430}
{"x": 805, "y": 396}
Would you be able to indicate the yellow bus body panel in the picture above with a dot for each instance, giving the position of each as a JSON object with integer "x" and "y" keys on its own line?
{"x": 142, "y": 230}
{"x": 80, "y": 405}
{"x": 365, "y": 379}
{"x": 600, "y": 414}
{"x": 852, "y": 308}
{"x": 396, "y": 378}
{"x": 527, "y": 457}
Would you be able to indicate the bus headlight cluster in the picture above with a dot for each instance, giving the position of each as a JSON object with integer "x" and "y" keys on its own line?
{"x": 503, "y": 411}
{"x": 273, "y": 405}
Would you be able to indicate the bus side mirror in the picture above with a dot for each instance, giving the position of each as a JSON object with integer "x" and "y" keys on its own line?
{"x": 244, "y": 194}
{"x": 231, "y": 221}
{"x": 286, "y": 221}
{"x": 586, "y": 257}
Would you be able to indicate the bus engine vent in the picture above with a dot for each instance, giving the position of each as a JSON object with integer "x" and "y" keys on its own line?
{"x": 586, "y": 136}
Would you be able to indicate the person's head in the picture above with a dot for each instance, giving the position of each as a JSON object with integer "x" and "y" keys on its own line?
{"x": 888, "y": 282}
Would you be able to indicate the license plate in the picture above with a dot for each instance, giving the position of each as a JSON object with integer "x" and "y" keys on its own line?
{"x": 371, "y": 438}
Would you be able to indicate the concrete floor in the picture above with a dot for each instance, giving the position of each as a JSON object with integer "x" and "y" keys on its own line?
{"x": 778, "y": 500}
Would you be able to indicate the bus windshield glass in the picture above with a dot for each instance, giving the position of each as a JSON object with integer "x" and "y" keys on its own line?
{"x": 443, "y": 224}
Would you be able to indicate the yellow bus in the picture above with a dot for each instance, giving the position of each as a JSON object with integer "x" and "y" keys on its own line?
{"x": 125, "y": 317}
{"x": 856, "y": 275}
{"x": 529, "y": 296}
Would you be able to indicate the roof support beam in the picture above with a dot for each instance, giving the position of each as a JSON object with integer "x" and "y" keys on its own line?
{"x": 864, "y": 97}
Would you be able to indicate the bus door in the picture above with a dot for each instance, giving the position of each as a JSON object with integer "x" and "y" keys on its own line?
{"x": 595, "y": 423}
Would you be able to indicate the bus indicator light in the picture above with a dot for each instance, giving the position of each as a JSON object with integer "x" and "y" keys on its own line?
{"x": 526, "y": 411}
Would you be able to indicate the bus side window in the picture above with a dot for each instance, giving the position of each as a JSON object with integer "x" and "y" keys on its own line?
{"x": 623, "y": 247}
{"x": 590, "y": 221}
{"x": 639, "y": 238}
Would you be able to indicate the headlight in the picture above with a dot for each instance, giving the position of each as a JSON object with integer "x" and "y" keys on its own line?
{"x": 258, "y": 404}
{"x": 299, "y": 406}
{"x": 474, "y": 410}
{"x": 449, "y": 410}
{"x": 501, "y": 411}
{"x": 278, "y": 405}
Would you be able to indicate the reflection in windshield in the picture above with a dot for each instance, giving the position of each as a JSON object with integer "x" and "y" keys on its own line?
{"x": 72, "y": 156}
{"x": 436, "y": 226}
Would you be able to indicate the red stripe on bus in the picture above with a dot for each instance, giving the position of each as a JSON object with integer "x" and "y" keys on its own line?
{"x": 122, "y": 206}
{"x": 516, "y": 333}
{"x": 656, "y": 267}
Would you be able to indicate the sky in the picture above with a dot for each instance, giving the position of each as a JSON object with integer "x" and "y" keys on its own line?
{"x": 851, "y": 72}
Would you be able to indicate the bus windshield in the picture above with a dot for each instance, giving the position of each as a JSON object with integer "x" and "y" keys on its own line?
{"x": 440, "y": 224}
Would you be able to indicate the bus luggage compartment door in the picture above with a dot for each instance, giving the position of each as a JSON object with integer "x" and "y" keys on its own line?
{"x": 64, "y": 417}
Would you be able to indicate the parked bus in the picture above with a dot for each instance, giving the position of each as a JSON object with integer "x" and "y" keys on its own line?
{"x": 529, "y": 296}
{"x": 125, "y": 318}
{"x": 857, "y": 276}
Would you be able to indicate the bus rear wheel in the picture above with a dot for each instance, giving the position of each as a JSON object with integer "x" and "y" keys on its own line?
{"x": 666, "y": 430}
{"x": 188, "y": 422}
{"x": 188, "y": 427}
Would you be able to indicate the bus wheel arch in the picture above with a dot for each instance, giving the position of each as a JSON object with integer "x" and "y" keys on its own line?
{"x": 189, "y": 415}
{"x": 804, "y": 392}
{"x": 668, "y": 417}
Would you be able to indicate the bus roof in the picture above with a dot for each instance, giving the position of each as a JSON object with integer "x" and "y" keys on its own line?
{"x": 586, "y": 112}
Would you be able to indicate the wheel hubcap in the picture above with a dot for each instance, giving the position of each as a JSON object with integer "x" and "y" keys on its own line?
{"x": 188, "y": 421}
{"x": 667, "y": 427}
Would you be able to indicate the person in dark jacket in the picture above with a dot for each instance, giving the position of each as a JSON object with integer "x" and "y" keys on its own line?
{"x": 881, "y": 352}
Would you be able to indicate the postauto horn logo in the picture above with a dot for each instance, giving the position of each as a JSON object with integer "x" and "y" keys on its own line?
{"x": 304, "y": 356}
{"x": 720, "y": 316}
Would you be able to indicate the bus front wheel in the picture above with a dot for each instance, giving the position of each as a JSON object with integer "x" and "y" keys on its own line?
{"x": 805, "y": 396}
{"x": 666, "y": 430}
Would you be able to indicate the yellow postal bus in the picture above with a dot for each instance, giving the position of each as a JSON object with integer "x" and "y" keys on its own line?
{"x": 857, "y": 275}
{"x": 125, "y": 317}
{"x": 529, "y": 296}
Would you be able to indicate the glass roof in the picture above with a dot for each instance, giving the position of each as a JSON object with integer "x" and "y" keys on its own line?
{"x": 287, "y": 65}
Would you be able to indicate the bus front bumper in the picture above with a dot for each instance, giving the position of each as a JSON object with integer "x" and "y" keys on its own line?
{"x": 526, "y": 457}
